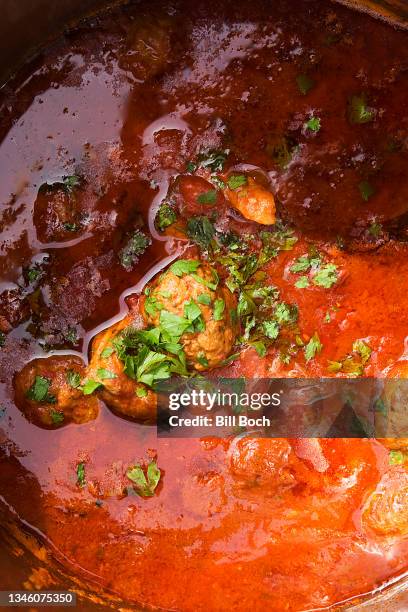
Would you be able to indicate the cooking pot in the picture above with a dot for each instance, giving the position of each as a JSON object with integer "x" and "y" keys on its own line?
{"x": 26, "y": 26}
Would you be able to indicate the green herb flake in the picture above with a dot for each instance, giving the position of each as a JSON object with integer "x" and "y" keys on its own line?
{"x": 184, "y": 266}
{"x": 204, "y": 299}
{"x": 271, "y": 329}
{"x": 259, "y": 347}
{"x": 237, "y": 180}
{"x": 358, "y": 111}
{"x": 71, "y": 182}
{"x": 202, "y": 359}
{"x": 201, "y": 231}
{"x": 313, "y": 347}
{"x": 39, "y": 391}
{"x": 363, "y": 349}
{"x": 366, "y": 190}
{"x": 145, "y": 483}
{"x": 135, "y": 247}
{"x": 208, "y": 197}
{"x": 219, "y": 307}
{"x": 141, "y": 392}
{"x": 313, "y": 124}
{"x": 302, "y": 283}
{"x": 165, "y": 216}
{"x": 375, "y": 229}
{"x": 33, "y": 274}
{"x": 80, "y": 474}
{"x": 104, "y": 374}
{"x": 90, "y": 386}
{"x": 73, "y": 379}
{"x": 107, "y": 352}
{"x": 326, "y": 277}
{"x": 57, "y": 417}
{"x": 397, "y": 457}
{"x": 304, "y": 83}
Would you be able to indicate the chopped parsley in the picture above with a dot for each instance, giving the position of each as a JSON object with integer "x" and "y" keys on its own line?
{"x": 80, "y": 474}
{"x": 90, "y": 386}
{"x": 73, "y": 379}
{"x": 353, "y": 364}
{"x": 304, "y": 83}
{"x": 145, "y": 482}
{"x": 375, "y": 229}
{"x": 104, "y": 374}
{"x": 107, "y": 352}
{"x": 141, "y": 392}
{"x": 201, "y": 231}
{"x": 165, "y": 216}
{"x": 321, "y": 274}
{"x": 366, "y": 190}
{"x": 184, "y": 266}
{"x": 271, "y": 329}
{"x": 397, "y": 457}
{"x": 57, "y": 417}
{"x": 236, "y": 180}
{"x": 312, "y": 347}
{"x": 213, "y": 159}
{"x": 207, "y": 197}
{"x": 39, "y": 391}
{"x": 71, "y": 182}
{"x": 326, "y": 276}
{"x": 358, "y": 111}
{"x": 135, "y": 247}
{"x": 313, "y": 124}
{"x": 219, "y": 307}
{"x": 204, "y": 299}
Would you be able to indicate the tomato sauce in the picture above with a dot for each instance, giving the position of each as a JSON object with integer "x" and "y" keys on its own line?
{"x": 124, "y": 101}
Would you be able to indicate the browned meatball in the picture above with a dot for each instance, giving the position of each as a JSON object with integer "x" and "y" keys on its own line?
{"x": 148, "y": 47}
{"x": 119, "y": 391}
{"x": 195, "y": 296}
{"x": 56, "y": 216}
{"x": 392, "y": 420}
{"x": 48, "y": 392}
{"x": 386, "y": 510}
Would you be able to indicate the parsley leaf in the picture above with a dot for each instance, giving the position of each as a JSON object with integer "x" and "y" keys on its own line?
{"x": 136, "y": 246}
{"x": 358, "y": 111}
{"x": 204, "y": 299}
{"x": 236, "y": 180}
{"x": 57, "y": 417}
{"x": 73, "y": 379}
{"x": 80, "y": 473}
{"x": 165, "y": 216}
{"x": 38, "y": 392}
{"x": 104, "y": 374}
{"x": 201, "y": 231}
{"x": 208, "y": 197}
{"x": 326, "y": 277}
{"x": 90, "y": 386}
{"x": 302, "y": 282}
{"x": 219, "y": 307}
{"x": 313, "y": 124}
{"x": 271, "y": 329}
{"x": 312, "y": 347}
{"x": 145, "y": 483}
{"x": 184, "y": 266}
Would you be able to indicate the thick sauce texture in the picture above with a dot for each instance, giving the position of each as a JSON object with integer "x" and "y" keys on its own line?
{"x": 310, "y": 99}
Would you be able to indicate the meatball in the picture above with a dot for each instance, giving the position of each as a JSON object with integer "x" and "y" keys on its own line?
{"x": 148, "y": 47}
{"x": 386, "y": 510}
{"x": 263, "y": 461}
{"x": 56, "y": 215}
{"x": 188, "y": 300}
{"x": 48, "y": 392}
{"x": 391, "y": 419}
{"x": 253, "y": 201}
{"x": 119, "y": 391}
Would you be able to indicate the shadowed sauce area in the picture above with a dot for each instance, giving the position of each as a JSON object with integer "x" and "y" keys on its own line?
{"x": 307, "y": 100}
